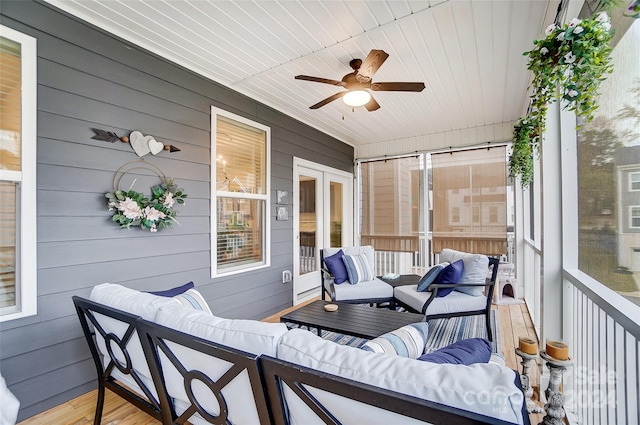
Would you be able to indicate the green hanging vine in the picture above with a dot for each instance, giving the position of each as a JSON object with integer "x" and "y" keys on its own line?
{"x": 569, "y": 64}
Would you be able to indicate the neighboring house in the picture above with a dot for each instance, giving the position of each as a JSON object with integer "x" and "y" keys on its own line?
{"x": 627, "y": 160}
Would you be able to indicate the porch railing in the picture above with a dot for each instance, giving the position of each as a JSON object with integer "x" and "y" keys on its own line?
{"x": 604, "y": 335}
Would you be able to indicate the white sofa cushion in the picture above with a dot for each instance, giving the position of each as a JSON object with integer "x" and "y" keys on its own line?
{"x": 247, "y": 335}
{"x": 475, "y": 269}
{"x": 135, "y": 302}
{"x": 488, "y": 389}
{"x": 251, "y": 336}
{"x": 455, "y": 302}
{"x": 364, "y": 290}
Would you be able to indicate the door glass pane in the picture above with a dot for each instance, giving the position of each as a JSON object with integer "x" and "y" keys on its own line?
{"x": 336, "y": 213}
{"x": 308, "y": 224}
{"x": 7, "y": 244}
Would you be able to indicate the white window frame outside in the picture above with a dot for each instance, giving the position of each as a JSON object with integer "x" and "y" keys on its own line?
{"x": 215, "y": 193}
{"x": 631, "y": 216}
{"x": 26, "y": 235}
{"x": 631, "y": 182}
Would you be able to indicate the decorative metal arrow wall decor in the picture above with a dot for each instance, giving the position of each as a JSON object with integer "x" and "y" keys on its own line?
{"x": 141, "y": 144}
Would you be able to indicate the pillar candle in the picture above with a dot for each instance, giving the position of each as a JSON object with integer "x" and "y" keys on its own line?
{"x": 528, "y": 345}
{"x": 558, "y": 350}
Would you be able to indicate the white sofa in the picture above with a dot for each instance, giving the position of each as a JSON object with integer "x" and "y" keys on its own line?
{"x": 483, "y": 389}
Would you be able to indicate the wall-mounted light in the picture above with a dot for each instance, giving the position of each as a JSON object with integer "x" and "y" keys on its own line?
{"x": 356, "y": 98}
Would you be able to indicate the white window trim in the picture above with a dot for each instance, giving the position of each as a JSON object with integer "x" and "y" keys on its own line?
{"x": 266, "y": 215}
{"x": 26, "y": 255}
{"x": 631, "y": 216}
{"x": 631, "y": 189}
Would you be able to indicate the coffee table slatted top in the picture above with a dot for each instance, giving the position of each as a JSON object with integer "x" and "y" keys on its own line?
{"x": 351, "y": 319}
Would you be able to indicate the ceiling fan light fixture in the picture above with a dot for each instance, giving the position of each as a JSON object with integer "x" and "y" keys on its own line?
{"x": 356, "y": 98}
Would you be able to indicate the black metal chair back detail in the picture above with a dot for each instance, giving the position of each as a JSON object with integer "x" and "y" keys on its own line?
{"x": 162, "y": 347}
{"x": 300, "y": 379}
{"x": 117, "y": 347}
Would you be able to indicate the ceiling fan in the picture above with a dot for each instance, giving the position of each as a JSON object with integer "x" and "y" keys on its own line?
{"x": 358, "y": 81}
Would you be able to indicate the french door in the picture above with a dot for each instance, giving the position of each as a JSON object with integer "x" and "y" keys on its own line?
{"x": 323, "y": 217}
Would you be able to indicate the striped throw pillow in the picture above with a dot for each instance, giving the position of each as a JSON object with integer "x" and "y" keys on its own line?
{"x": 194, "y": 299}
{"x": 358, "y": 268}
{"x": 407, "y": 341}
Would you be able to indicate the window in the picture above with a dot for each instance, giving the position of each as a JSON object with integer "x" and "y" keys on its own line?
{"x": 635, "y": 217}
{"x": 634, "y": 181}
{"x": 470, "y": 200}
{"x": 390, "y": 204}
{"x": 609, "y": 174}
{"x": 18, "y": 265}
{"x": 240, "y": 199}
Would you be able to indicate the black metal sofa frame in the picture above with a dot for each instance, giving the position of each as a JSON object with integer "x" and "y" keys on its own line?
{"x": 267, "y": 376}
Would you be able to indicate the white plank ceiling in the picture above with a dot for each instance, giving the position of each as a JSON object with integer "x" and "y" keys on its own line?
{"x": 468, "y": 54}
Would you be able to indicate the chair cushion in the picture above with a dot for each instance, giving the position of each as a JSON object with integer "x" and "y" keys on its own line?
{"x": 455, "y": 302}
{"x": 367, "y": 250}
{"x": 459, "y": 386}
{"x": 336, "y": 267}
{"x": 374, "y": 288}
{"x": 430, "y": 276}
{"x": 173, "y": 291}
{"x": 466, "y": 351}
{"x": 358, "y": 268}
{"x": 450, "y": 274}
{"x": 476, "y": 267}
{"x": 407, "y": 341}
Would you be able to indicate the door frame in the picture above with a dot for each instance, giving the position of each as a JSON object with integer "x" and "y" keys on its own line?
{"x": 329, "y": 174}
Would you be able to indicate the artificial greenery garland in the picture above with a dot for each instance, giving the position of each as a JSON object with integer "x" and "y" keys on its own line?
{"x": 569, "y": 64}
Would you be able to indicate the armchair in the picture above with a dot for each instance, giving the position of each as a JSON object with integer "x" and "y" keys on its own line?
{"x": 471, "y": 296}
{"x": 373, "y": 291}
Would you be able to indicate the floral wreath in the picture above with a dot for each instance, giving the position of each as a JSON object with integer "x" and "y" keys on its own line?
{"x": 133, "y": 209}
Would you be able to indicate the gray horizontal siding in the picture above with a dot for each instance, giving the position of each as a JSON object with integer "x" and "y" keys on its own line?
{"x": 90, "y": 79}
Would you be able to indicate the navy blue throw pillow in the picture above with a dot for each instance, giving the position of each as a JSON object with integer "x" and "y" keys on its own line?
{"x": 450, "y": 274}
{"x": 174, "y": 291}
{"x": 430, "y": 276}
{"x": 467, "y": 351}
{"x": 336, "y": 267}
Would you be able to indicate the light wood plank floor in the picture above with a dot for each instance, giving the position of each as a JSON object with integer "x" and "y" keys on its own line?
{"x": 514, "y": 322}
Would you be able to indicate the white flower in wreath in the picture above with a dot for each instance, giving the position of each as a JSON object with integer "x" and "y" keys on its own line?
{"x": 578, "y": 30}
{"x": 550, "y": 29}
{"x": 130, "y": 208}
{"x": 569, "y": 58}
{"x": 606, "y": 26}
{"x": 544, "y": 51}
{"x": 602, "y": 17}
{"x": 168, "y": 200}
{"x": 574, "y": 22}
{"x": 153, "y": 228}
{"x": 560, "y": 37}
{"x": 153, "y": 214}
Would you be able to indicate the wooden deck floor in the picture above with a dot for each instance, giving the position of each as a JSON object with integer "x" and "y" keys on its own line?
{"x": 514, "y": 321}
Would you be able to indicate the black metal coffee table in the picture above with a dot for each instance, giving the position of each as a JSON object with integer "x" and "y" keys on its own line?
{"x": 351, "y": 319}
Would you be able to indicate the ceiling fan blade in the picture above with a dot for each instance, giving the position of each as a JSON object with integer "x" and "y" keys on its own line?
{"x": 397, "y": 86}
{"x": 328, "y": 100}
{"x": 374, "y": 60}
{"x": 319, "y": 80}
{"x": 372, "y": 105}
